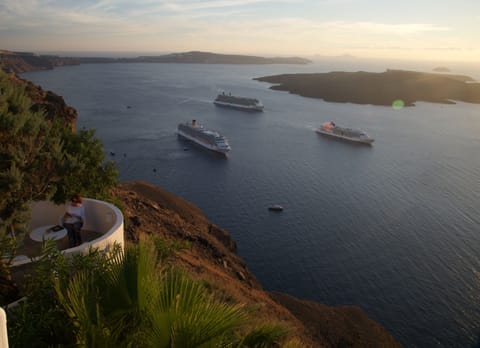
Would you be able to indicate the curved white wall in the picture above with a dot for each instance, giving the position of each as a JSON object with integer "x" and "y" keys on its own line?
{"x": 101, "y": 217}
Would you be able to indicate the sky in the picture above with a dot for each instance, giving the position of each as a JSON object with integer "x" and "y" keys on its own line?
{"x": 440, "y": 30}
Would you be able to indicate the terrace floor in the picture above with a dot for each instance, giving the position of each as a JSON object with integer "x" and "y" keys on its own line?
{"x": 31, "y": 248}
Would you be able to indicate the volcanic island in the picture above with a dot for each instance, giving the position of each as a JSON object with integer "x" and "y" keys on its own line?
{"x": 383, "y": 88}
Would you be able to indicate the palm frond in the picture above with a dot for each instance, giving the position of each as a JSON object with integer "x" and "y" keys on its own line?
{"x": 265, "y": 336}
{"x": 189, "y": 315}
{"x": 81, "y": 302}
{"x": 131, "y": 300}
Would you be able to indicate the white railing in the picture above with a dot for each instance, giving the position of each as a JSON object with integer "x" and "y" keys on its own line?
{"x": 101, "y": 217}
{"x": 3, "y": 329}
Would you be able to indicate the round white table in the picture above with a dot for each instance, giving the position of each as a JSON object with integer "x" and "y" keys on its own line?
{"x": 44, "y": 232}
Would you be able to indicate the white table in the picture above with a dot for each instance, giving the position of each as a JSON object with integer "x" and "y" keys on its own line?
{"x": 43, "y": 232}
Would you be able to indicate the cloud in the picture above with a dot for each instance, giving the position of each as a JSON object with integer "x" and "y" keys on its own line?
{"x": 243, "y": 26}
{"x": 202, "y": 5}
{"x": 383, "y": 28}
{"x": 298, "y": 28}
{"x": 233, "y": 14}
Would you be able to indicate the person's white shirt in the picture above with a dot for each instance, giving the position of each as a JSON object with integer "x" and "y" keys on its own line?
{"x": 76, "y": 212}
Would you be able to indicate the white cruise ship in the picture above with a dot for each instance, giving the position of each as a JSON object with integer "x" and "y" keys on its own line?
{"x": 209, "y": 139}
{"x": 331, "y": 129}
{"x": 241, "y": 103}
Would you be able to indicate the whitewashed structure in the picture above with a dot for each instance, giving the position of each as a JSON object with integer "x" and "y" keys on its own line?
{"x": 101, "y": 217}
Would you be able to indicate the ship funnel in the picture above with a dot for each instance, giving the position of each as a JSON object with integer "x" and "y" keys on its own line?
{"x": 194, "y": 122}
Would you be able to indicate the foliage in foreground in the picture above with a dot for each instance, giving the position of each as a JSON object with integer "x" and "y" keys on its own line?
{"x": 29, "y": 157}
{"x": 128, "y": 299}
{"x": 40, "y": 320}
{"x": 42, "y": 160}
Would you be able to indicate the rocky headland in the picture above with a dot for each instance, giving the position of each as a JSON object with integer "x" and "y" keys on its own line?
{"x": 19, "y": 62}
{"x": 379, "y": 88}
{"x": 211, "y": 257}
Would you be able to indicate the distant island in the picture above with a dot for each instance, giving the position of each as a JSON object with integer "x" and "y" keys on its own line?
{"x": 19, "y": 62}
{"x": 441, "y": 69}
{"x": 379, "y": 88}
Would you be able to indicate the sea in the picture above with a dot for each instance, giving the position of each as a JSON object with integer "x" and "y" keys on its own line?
{"x": 392, "y": 228}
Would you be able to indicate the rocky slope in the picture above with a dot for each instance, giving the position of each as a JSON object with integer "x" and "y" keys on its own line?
{"x": 211, "y": 257}
{"x": 18, "y": 62}
{"x": 53, "y": 105}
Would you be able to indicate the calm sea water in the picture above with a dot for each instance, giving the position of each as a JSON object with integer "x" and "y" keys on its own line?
{"x": 393, "y": 228}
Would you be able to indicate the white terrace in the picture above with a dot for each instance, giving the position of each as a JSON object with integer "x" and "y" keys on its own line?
{"x": 103, "y": 218}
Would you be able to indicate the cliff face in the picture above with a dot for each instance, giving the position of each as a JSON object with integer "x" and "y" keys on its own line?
{"x": 53, "y": 105}
{"x": 149, "y": 209}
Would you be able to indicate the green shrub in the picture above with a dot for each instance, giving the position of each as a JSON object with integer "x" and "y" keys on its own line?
{"x": 124, "y": 298}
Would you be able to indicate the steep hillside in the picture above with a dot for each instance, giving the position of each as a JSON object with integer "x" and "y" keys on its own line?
{"x": 212, "y": 257}
{"x": 22, "y": 62}
{"x": 52, "y": 104}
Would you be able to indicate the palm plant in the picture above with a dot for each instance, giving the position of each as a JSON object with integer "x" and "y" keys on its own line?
{"x": 136, "y": 303}
{"x": 187, "y": 316}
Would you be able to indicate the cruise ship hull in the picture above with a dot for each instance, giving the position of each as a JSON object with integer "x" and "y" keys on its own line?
{"x": 367, "y": 141}
{"x": 202, "y": 143}
{"x": 239, "y": 107}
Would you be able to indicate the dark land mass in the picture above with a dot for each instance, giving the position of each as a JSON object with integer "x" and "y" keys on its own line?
{"x": 214, "y": 58}
{"x": 211, "y": 257}
{"x": 379, "y": 88}
{"x": 441, "y": 69}
{"x": 19, "y": 62}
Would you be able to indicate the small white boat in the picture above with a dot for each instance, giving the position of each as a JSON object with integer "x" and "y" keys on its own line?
{"x": 275, "y": 207}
